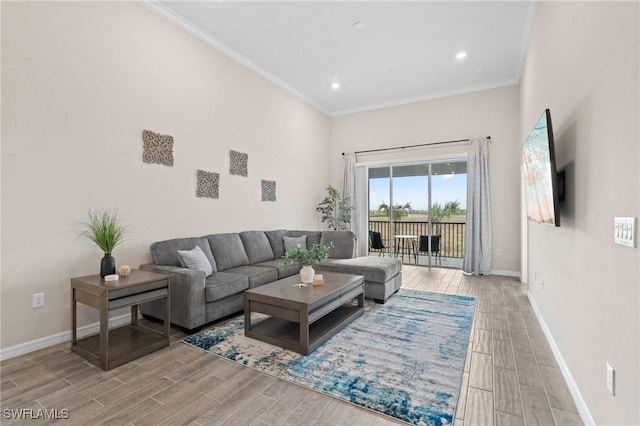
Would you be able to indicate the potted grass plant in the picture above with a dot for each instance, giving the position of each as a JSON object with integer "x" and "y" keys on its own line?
{"x": 307, "y": 258}
{"x": 104, "y": 230}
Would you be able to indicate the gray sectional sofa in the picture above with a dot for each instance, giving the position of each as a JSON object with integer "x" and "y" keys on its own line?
{"x": 250, "y": 259}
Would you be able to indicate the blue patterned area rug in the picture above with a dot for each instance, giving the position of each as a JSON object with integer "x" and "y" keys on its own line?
{"x": 404, "y": 358}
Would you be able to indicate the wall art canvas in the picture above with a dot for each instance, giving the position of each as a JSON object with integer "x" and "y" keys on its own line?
{"x": 238, "y": 163}
{"x": 268, "y": 190}
{"x": 208, "y": 184}
{"x": 157, "y": 148}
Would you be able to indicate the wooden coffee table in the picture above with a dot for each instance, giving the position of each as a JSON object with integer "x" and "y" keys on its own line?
{"x": 302, "y": 318}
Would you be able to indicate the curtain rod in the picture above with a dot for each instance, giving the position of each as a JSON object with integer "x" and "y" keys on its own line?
{"x": 413, "y": 146}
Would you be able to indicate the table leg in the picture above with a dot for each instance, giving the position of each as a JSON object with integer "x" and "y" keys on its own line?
{"x": 403, "y": 248}
{"x": 134, "y": 314}
{"x": 167, "y": 322}
{"x": 304, "y": 333}
{"x": 104, "y": 332}
{"x": 247, "y": 316}
{"x": 74, "y": 324}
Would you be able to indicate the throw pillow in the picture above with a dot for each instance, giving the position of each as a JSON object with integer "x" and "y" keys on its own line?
{"x": 292, "y": 242}
{"x": 195, "y": 259}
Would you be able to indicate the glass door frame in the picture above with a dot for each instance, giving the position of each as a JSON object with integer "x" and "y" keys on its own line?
{"x": 391, "y": 164}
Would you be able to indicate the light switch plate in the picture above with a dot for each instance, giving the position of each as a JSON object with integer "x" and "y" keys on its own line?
{"x": 625, "y": 231}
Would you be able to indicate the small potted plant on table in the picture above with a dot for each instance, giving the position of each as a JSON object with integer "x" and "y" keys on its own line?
{"x": 106, "y": 232}
{"x": 307, "y": 258}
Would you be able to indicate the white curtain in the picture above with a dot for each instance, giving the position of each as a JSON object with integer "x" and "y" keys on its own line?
{"x": 360, "y": 214}
{"x": 349, "y": 189}
{"x": 477, "y": 241}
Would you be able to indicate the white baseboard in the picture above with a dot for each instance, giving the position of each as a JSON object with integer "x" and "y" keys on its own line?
{"x": 65, "y": 336}
{"x": 505, "y": 273}
{"x": 581, "y": 405}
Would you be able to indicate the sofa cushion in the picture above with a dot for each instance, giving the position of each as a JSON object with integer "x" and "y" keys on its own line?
{"x": 228, "y": 251}
{"x": 283, "y": 270}
{"x": 293, "y": 242}
{"x": 222, "y": 284}
{"x": 313, "y": 237}
{"x": 257, "y": 275}
{"x": 277, "y": 244}
{"x": 374, "y": 269}
{"x": 166, "y": 252}
{"x": 343, "y": 243}
{"x": 195, "y": 259}
{"x": 257, "y": 246}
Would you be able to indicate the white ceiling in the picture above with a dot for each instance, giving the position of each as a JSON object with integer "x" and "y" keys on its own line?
{"x": 405, "y": 52}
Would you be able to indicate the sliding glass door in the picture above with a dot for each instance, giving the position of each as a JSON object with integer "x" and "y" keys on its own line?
{"x": 448, "y": 212}
{"x": 380, "y": 235}
{"x": 417, "y": 212}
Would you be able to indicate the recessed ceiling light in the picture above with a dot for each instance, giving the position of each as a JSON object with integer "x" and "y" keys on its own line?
{"x": 461, "y": 55}
{"x": 335, "y": 85}
{"x": 481, "y": 69}
{"x": 358, "y": 25}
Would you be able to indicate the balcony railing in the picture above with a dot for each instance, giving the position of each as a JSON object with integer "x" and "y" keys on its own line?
{"x": 451, "y": 234}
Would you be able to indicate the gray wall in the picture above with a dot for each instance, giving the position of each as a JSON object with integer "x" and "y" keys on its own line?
{"x": 582, "y": 63}
{"x": 80, "y": 81}
{"x": 492, "y": 113}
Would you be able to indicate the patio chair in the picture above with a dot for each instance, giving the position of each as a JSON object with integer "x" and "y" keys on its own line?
{"x": 375, "y": 242}
{"x": 423, "y": 246}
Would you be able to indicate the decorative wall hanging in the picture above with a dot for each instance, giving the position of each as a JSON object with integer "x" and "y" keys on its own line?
{"x": 157, "y": 148}
{"x": 238, "y": 163}
{"x": 208, "y": 184}
{"x": 268, "y": 190}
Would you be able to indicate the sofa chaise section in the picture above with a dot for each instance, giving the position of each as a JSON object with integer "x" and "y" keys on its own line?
{"x": 382, "y": 276}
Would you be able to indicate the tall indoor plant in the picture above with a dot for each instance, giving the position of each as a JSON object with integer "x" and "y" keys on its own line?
{"x": 104, "y": 230}
{"x": 307, "y": 258}
{"x": 335, "y": 213}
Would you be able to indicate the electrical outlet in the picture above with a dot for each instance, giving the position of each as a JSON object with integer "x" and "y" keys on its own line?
{"x": 498, "y": 252}
{"x": 542, "y": 284}
{"x": 38, "y": 300}
{"x": 611, "y": 380}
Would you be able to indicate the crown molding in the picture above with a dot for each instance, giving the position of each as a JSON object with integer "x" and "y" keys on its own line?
{"x": 427, "y": 97}
{"x": 169, "y": 15}
{"x": 533, "y": 7}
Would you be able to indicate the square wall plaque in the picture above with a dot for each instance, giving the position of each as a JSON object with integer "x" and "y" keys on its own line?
{"x": 157, "y": 148}
{"x": 268, "y": 190}
{"x": 238, "y": 163}
{"x": 208, "y": 184}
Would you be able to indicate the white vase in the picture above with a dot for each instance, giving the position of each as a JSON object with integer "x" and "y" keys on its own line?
{"x": 306, "y": 274}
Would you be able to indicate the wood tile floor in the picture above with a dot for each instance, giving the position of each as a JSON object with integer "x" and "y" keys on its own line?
{"x": 511, "y": 377}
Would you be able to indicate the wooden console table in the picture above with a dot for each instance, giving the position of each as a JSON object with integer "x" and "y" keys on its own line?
{"x": 113, "y": 347}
